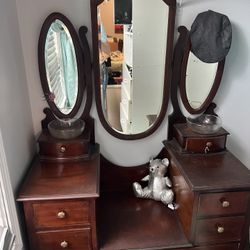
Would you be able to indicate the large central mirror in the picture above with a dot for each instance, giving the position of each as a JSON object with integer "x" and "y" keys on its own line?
{"x": 132, "y": 44}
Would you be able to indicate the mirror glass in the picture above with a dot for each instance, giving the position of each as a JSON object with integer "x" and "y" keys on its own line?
{"x": 200, "y": 77}
{"x": 61, "y": 66}
{"x": 132, "y": 45}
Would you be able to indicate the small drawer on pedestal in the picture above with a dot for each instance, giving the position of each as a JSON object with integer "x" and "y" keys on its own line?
{"x": 51, "y": 148}
{"x": 205, "y": 145}
{"x": 219, "y": 230}
{"x": 223, "y": 203}
{"x": 192, "y": 142}
{"x": 60, "y": 214}
{"x": 63, "y": 149}
{"x": 78, "y": 239}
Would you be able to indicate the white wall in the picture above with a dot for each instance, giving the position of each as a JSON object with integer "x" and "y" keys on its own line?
{"x": 16, "y": 127}
{"x": 15, "y": 113}
{"x": 232, "y": 97}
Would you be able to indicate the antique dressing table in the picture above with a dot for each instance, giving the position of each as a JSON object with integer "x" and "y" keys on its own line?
{"x": 75, "y": 198}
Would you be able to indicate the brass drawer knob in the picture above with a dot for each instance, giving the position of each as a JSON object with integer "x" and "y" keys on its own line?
{"x": 220, "y": 229}
{"x": 61, "y": 215}
{"x": 64, "y": 244}
{"x": 62, "y": 149}
{"x": 208, "y": 147}
{"x": 225, "y": 204}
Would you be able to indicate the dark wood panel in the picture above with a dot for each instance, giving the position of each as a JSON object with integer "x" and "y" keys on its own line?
{"x": 79, "y": 239}
{"x": 223, "y": 203}
{"x": 61, "y": 214}
{"x": 184, "y": 199}
{"x": 118, "y": 178}
{"x": 219, "y": 230}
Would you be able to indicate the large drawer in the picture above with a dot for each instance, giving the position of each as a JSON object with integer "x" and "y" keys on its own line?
{"x": 78, "y": 239}
{"x": 61, "y": 214}
{"x": 223, "y": 203}
{"x": 219, "y": 230}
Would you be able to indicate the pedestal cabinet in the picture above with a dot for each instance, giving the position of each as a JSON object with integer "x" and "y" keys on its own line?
{"x": 212, "y": 189}
{"x": 59, "y": 199}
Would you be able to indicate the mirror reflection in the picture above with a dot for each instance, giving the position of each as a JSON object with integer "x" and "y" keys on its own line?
{"x": 200, "y": 77}
{"x": 61, "y": 67}
{"x": 132, "y": 49}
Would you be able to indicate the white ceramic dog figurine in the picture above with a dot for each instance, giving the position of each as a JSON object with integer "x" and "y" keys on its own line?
{"x": 158, "y": 185}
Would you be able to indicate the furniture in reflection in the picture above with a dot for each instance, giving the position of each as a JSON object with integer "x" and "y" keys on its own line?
{"x": 143, "y": 68}
{"x": 59, "y": 195}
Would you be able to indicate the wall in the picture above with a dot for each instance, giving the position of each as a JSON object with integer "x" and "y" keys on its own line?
{"x": 16, "y": 126}
{"x": 232, "y": 97}
{"x": 15, "y": 113}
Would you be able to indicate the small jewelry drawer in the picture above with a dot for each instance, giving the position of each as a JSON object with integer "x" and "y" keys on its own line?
{"x": 192, "y": 142}
{"x": 77, "y": 239}
{"x": 61, "y": 214}
{"x": 223, "y": 203}
{"x": 205, "y": 145}
{"x": 52, "y": 148}
{"x": 219, "y": 230}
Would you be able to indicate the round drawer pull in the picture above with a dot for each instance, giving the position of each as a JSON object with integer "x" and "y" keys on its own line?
{"x": 62, "y": 149}
{"x": 225, "y": 204}
{"x": 61, "y": 215}
{"x": 64, "y": 244}
{"x": 220, "y": 229}
{"x": 208, "y": 147}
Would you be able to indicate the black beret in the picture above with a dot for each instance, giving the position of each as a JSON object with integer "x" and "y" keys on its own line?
{"x": 211, "y": 36}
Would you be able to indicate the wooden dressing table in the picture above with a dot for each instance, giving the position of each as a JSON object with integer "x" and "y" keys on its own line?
{"x": 68, "y": 204}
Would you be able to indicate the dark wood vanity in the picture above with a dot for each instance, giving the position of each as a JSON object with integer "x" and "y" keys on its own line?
{"x": 74, "y": 198}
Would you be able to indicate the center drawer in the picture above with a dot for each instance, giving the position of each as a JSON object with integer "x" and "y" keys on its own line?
{"x": 61, "y": 214}
{"x": 222, "y": 203}
{"x": 79, "y": 239}
{"x": 219, "y": 230}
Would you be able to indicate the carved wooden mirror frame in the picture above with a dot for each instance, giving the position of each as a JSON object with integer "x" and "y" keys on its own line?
{"x": 182, "y": 83}
{"x": 42, "y": 67}
{"x": 167, "y": 76}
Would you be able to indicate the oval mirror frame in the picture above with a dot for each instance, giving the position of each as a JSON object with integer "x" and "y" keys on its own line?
{"x": 182, "y": 84}
{"x": 167, "y": 74}
{"x": 42, "y": 67}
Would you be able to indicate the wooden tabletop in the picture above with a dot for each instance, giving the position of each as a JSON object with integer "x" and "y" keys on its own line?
{"x": 215, "y": 171}
{"x": 127, "y": 222}
{"x": 69, "y": 180}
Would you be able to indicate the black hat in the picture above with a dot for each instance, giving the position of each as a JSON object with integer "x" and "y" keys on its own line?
{"x": 211, "y": 36}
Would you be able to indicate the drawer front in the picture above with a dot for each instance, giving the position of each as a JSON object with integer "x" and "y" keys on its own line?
{"x": 232, "y": 246}
{"x": 219, "y": 230}
{"x": 223, "y": 203}
{"x": 79, "y": 239}
{"x": 63, "y": 149}
{"x": 205, "y": 145}
{"x": 61, "y": 214}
